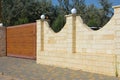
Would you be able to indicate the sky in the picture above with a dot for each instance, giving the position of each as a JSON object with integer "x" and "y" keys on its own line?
{"x": 95, "y": 2}
{"x": 114, "y": 2}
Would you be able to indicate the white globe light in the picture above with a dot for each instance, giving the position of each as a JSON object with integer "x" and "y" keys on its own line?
{"x": 42, "y": 16}
{"x": 74, "y": 11}
{"x": 1, "y": 24}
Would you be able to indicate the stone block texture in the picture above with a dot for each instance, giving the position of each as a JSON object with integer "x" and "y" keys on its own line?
{"x": 78, "y": 47}
{"x": 2, "y": 41}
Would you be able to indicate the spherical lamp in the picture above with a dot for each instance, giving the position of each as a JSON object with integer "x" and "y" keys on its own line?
{"x": 42, "y": 17}
{"x": 74, "y": 11}
{"x": 1, "y": 24}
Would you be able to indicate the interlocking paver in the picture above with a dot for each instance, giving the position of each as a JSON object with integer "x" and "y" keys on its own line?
{"x": 25, "y": 69}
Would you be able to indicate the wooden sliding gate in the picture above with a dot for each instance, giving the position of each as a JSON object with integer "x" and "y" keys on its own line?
{"x": 21, "y": 41}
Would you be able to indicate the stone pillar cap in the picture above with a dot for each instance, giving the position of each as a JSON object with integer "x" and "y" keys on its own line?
{"x": 118, "y": 6}
{"x": 69, "y": 15}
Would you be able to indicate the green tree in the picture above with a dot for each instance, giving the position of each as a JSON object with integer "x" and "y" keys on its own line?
{"x": 64, "y": 8}
{"x": 105, "y": 12}
{"x": 58, "y": 24}
{"x": 67, "y": 5}
{"x": 0, "y": 11}
{"x": 80, "y": 6}
{"x": 24, "y": 11}
{"x": 92, "y": 17}
{"x": 13, "y": 10}
{"x": 98, "y": 17}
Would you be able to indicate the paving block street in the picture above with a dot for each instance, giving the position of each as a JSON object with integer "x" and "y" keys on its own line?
{"x": 25, "y": 69}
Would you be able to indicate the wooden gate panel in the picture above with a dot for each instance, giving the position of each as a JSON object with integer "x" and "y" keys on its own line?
{"x": 21, "y": 41}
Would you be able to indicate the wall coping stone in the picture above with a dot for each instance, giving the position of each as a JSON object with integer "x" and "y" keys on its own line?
{"x": 118, "y": 6}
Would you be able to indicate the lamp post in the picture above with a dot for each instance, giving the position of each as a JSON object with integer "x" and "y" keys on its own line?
{"x": 42, "y": 32}
{"x": 74, "y": 11}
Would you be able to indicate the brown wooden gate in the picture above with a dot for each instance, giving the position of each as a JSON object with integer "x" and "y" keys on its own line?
{"x": 21, "y": 41}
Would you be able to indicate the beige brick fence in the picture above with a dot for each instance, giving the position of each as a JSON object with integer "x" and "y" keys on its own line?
{"x": 2, "y": 41}
{"x": 78, "y": 47}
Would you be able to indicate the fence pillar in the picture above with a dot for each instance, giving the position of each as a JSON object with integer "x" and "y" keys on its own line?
{"x": 2, "y": 41}
{"x": 42, "y": 35}
{"x": 73, "y": 33}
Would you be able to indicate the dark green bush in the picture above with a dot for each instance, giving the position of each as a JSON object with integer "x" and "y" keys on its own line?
{"x": 58, "y": 23}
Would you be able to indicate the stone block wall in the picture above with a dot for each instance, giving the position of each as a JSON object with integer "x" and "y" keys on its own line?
{"x": 2, "y": 41}
{"x": 78, "y": 47}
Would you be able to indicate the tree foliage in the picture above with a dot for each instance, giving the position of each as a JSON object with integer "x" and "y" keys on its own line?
{"x": 23, "y": 11}
{"x": 105, "y": 11}
{"x": 13, "y": 10}
{"x": 58, "y": 24}
{"x": 91, "y": 15}
{"x": 0, "y": 11}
